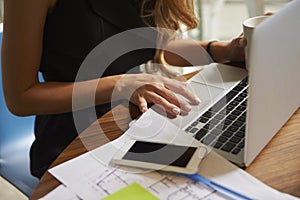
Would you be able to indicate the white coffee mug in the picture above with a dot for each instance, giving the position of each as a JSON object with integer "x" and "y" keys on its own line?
{"x": 248, "y": 29}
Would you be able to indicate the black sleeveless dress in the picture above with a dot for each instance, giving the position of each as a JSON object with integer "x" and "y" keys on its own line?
{"x": 74, "y": 28}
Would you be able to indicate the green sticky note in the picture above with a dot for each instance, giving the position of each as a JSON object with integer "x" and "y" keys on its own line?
{"x": 132, "y": 192}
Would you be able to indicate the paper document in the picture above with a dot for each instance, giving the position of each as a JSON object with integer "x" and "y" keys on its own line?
{"x": 61, "y": 193}
{"x": 91, "y": 177}
{"x": 93, "y": 181}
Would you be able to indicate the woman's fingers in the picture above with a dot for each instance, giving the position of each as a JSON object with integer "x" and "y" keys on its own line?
{"x": 236, "y": 49}
{"x": 241, "y": 42}
{"x": 153, "y": 97}
{"x": 163, "y": 97}
{"x": 176, "y": 86}
{"x": 160, "y": 91}
{"x": 142, "y": 103}
{"x": 181, "y": 88}
{"x": 172, "y": 98}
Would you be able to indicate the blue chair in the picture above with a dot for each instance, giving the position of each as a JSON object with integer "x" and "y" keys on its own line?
{"x": 16, "y": 137}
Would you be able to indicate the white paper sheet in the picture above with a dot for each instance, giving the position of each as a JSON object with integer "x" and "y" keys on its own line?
{"x": 61, "y": 193}
{"x": 91, "y": 177}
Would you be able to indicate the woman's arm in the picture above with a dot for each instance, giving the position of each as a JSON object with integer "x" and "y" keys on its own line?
{"x": 21, "y": 56}
{"x": 196, "y": 51}
{"x": 25, "y": 95}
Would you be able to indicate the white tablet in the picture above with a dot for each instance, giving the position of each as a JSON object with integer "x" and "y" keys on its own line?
{"x": 160, "y": 156}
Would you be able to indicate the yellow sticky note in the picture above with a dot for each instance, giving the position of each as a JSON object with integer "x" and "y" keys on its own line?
{"x": 132, "y": 192}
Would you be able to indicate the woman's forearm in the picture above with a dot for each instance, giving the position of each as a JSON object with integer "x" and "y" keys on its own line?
{"x": 61, "y": 97}
{"x": 218, "y": 51}
{"x": 190, "y": 52}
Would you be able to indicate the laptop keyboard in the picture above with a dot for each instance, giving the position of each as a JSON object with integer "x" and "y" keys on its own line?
{"x": 225, "y": 122}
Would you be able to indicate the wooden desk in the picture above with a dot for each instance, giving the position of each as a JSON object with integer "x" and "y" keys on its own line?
{"x": 278, "y": 165}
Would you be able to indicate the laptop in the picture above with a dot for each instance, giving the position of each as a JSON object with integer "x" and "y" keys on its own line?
{"x": 242, "y": 110}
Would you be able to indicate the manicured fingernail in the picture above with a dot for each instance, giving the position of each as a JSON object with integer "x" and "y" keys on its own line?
{"x": 188, "y": 107}
{"x": 144, "y": 109}
{"x": 197, "y": 100}
{"x": 176, "y": 111}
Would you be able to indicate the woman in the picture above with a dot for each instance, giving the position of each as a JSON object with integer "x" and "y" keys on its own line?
{"x": 54, "y": 37}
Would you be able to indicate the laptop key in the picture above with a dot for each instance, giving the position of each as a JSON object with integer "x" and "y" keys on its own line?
{"x": 243, "y": 128}
{"x": 226, "y": 122}
{"x": 217, "y": 145}
{"x": 241, "y": 144}
{"x": 236, "y": 112}
{"x": 243, "y": 95}
{"x": 238, "y": 88}
{"x": 236, "y": 151}
{"x": 188, "y": 129}
{"x": 241, "y": 108}
{"x": 222, "y": 139}
{"x": 238, "y": 123}
{"x": 242, "y": 119}
{"x": 221, "y": 126}
{"x": 219, "y": 116}
{"x": 231, "y": 117}
{"x": 239, "y": 99}
{"x": 203, "y": 119}
{"x": 207, "y": 114}
{"x": 240, "y": 134}
{"x": 230, "y": 95}
{"x": 208, "y": 139}
{"x": 194, "y": 130}
{"x": 227, "y": 134}
{"x": 244, "y": 82}
{"x": 194, "y": 123}
{"x": 201, "y": 133}
{"x": 228, "y": 146}
{"x": 214, "y": 121}
{"x": 234, "y": 103}
{"x": 232, "y": 128}
{"x": 244, "y": 103}
{"x": 224, "y": 111}
{"x": 229, "y": 108}
{"x": 215, "y": 132}
{"x": 235, "y": 139}
{"x": 208, "y": 126}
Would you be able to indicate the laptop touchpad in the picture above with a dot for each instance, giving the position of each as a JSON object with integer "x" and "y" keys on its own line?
{"x": 207, "y": 95}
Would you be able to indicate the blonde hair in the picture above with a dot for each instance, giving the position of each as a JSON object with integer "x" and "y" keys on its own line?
{"x": 170, "y": 15}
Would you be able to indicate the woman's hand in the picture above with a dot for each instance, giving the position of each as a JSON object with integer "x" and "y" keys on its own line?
{"x": 236, "y": 49}
{"x": 142, "y": 89}
{"x": 232, "y": 51}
